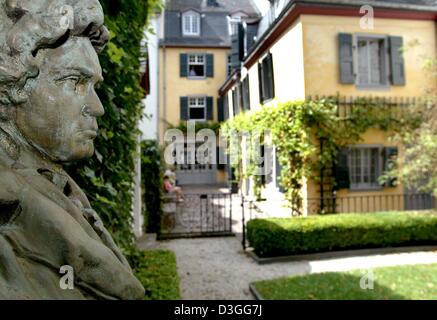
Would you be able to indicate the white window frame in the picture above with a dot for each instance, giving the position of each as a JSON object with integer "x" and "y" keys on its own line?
{"x": 365, "y": 162}
{"x": 198, "y": 59}
{"x": 233, "y": 24}
{"x": 191, "y": 22}
{"x": 194, "y": 102}
{"x": 385, "y": 58}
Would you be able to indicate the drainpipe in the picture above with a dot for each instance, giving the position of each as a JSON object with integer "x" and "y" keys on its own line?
{"x": 322, "y": 204}
{"x": 158, "y": 77}
{"x": 164, "y": 76}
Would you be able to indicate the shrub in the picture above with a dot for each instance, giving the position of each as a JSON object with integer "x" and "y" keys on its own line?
{"x": 157, "y": 271}
{"x": 152, "y": 168}
{"x": 279, "y": 236}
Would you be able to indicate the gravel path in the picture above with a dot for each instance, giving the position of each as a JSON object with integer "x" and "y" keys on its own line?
{"x": 217, "y": 268}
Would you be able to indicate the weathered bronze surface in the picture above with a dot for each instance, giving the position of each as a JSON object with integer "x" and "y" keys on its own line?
{"x": 48, "y": 109}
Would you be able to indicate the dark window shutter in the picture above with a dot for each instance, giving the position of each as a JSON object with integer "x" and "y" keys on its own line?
{"x": 235, "y": 105}
{"x": 260, "y": 82}
{"x": 235, "y": 62}
{"x": 278, "y": 175}
{"x": 341, "y": 170}
{"x": 397, "y": 61}
{"x": 183, "y": 65}
{"x": 237, "y": 49}
{"x": 184, "y": 108}
{"x": 221, "y": 158}
{"x": 210, "y": 65}
{"x": 270, "y": 77}
{"x": 389, "y": 154}
{"x": 263, "y": 171}
{"x": 246, "y": 94}
{"x": 384, "y": 66}
{"x": 220, "y": 110}
{"x": 209, "y": 108}
{"x": 346, "y": 60}
{"x": 240, "y": 96}
{"x": 248, "y": 91}
{"x": 226, "y": 107}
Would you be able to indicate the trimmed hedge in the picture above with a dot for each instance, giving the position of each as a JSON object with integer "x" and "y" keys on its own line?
{"x": 157, "y": 272}
{"x": 288, "y": 236}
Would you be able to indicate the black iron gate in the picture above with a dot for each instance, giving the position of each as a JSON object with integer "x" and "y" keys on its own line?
{"x": 199, "y": 215}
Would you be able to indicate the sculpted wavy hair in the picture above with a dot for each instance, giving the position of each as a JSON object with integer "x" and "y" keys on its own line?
{"x": 27, "y": 26}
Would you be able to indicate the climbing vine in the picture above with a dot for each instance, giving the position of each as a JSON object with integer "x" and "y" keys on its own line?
{"x": 296, "y": 129}
{"x": 108, "y": 177}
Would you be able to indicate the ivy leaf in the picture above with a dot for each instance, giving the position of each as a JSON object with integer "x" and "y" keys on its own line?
{"x": 99, "y": 156}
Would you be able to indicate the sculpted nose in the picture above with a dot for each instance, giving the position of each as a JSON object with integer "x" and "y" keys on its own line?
{"x": 93, "y": 107}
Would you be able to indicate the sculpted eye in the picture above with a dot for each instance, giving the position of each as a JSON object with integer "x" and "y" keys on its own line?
{"x": 70, "y": 79}
{"x": 71, "y": 83}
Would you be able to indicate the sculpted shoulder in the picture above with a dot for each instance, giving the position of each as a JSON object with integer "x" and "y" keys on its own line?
{"x": 10, "y": 184}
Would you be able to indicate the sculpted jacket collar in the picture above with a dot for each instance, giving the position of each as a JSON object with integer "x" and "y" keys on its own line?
{"x": 60, "y": 205}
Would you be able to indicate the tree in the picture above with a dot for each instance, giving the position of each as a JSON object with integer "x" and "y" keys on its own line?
{"x": 416, "y": 166}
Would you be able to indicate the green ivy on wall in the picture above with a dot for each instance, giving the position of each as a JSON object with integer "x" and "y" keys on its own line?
{"x": 107, "y": 178}
{"x": 296, "y": 129}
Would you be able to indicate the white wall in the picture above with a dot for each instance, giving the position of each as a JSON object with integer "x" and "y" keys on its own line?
{"x": 149, "y": 125}
{"x": 137, "y": 203}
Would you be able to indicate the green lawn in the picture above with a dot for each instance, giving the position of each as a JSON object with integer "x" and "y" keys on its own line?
{"x": 391, "y": 283}
{"x": 157, "y": 272}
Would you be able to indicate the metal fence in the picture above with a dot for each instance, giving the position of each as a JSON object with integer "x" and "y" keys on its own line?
{"x": 370, "y": 203}
{"x": 199, "y": 215}
{"x": 347, "y": 105}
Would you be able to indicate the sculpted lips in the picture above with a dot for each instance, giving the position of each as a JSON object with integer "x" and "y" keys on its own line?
{"x": 89, "y": 134}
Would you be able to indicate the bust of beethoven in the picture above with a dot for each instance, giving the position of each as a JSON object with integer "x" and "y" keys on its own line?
{"x": 48, "y": 109}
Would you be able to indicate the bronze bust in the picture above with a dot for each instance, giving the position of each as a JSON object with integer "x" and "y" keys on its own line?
{"x": 48, "y": 109}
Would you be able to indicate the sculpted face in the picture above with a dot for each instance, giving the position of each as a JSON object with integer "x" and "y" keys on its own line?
{"x": 59, "y": 117}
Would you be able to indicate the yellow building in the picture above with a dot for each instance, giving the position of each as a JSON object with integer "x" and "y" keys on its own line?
{"x": 194, "y": 57}
{"x": 327, "y": 48}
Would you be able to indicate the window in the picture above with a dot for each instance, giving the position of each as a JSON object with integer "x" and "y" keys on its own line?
{"x": 246, "y": 94}
{"x": 233, "y": 25}
{"x": 365, "y": 164}
{"x": 372, "y": 62}
{"x": 197, "y": 108}
{"x": 235, "y": 101}
{"x": 196, "y": 66}
{"x": 266, "y": 79}
{"x": 229, "y": 65}
{"x": 191, "y": 24}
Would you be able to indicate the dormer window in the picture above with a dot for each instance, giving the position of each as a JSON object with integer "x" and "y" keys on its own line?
{"x": 191, "y": 23}
{"x": 233, "y": 25}
{"x": 234, "y": 20}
